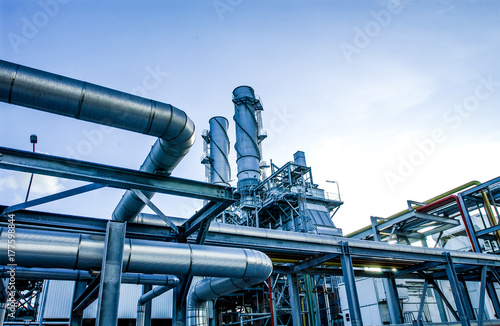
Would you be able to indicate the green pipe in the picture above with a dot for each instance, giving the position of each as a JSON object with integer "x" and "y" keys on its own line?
{"x": 428, "y": 201}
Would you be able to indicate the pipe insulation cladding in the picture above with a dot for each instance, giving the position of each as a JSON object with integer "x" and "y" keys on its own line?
{"x": 246, "y": 146}
{"x": 51, "y": 249}
{"x": 53, "y": 93}
{"x": 220, "y": 170}
{"x": 211, "y": 288}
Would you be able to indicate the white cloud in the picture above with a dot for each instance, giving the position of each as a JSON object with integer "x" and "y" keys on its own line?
{"x": 42, "y": 185}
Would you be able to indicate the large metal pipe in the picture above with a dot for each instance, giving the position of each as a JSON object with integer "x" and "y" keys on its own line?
{"x": 23, "y": 273}
{"x": 157, "y": 291}
{"x": 49, "y": 92}
{"x": 220, "y": 170}
{"x": 246, "y": 146}
{"x": 50, "y": 249}
{"x": 213, "y": 287}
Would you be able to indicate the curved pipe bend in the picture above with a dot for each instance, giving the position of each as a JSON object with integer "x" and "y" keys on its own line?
{"x": 56, "y": 94}
{"x": 259, "y": 267}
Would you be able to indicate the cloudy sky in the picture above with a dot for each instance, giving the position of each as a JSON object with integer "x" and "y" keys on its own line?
{"x": 394, "y": 100}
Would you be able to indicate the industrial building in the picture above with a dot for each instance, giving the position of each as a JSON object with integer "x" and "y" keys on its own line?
{"x": 265, "y": 252}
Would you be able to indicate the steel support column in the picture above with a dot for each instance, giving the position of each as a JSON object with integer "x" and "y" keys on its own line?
{"x": 492, "y": 293}
{"x": 76, "y": 318}
{"x": 455, "y": 288}
{"x": 350, "y": 285}
{"x": 111, "y": 274}
{"x": 294, "y": 292}
{"x": 469, "y": 310}
{"x": 147, "y": 307}
{"x": 482, "y": 295}
{"x": 440, "y": 306}
{"x": 391, "y": 294}
{"x": 420, "y": 321}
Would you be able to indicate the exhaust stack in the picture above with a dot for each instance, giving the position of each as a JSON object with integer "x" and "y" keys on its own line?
{"x": 247, "y": 132}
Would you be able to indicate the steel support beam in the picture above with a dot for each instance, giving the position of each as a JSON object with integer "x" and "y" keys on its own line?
{"x": 111, "y": 274}
{"x": 87, "y": 296}
{"x": 429, "y": 279}
{"x": 482, "y": 295}
{"x": 203, "y": 218}
{"x": 420, "y": 315}
{"x": 294, "y": 292}
{"x": 455, "y": 289}
{"x": 76, "y": 318}
{"x": 115, "y": 177}
{"x": 492, "y": 293}
{"x": 391, "y": 294}
{"x": 469, "y": 226}
{"x": 313, "y": 262}
{"x": 350, "y": 285}
{"x": 54, "y": 197}
{"x": 147, "y": 307}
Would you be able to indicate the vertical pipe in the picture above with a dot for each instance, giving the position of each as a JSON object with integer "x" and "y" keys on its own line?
{"x": 220, "y": 170}
{"x": 246, "y": 146}
{"x": 111, "y": 274}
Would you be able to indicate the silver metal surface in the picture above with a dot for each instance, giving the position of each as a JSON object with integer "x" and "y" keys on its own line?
{"x": 157, "y": 291}
{"x": 220, "y": 170}
{"x": 80, "y": 100}
{"x": 259, "y": 267}
{"x": 50, "y": 249}
{"x": 246, "y": 146}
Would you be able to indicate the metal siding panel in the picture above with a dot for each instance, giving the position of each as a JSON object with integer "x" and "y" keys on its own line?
{"x": 59, "y": 298}
{"x": 60, "y": 294}
{"x": 162, "y": 306}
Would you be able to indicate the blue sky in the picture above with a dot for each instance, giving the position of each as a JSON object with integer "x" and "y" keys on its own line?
{"x": 395, "y": 100}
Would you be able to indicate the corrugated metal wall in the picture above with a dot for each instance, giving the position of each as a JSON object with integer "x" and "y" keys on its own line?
{"x": 60, "y": 294}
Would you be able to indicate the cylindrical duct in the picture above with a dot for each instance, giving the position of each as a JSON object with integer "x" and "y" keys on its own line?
{"x": 246, "y": 146}
{"x": 213, "y": 287}
{"x": 51, "y": 249}
{"x": 220, "y": 171}
{"x": 48, "y": 92}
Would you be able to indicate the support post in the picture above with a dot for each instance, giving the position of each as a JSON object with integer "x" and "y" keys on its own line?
{"x": 77, "y": 316}
{"x": 420, "y": 321}
{"x": 147, "y": 307}
{"x": 482, "y": 295}
{"x": 469, "y": 310}
{"x": 293, "y": 290}
{"x": 391, "y": 294}
{"x": 350, "y": 285}
{"x": 440, "y": 305}
{"x": 111, "y": 274}
{"x": 455, "y": 289}
{"x": 494, "y": 298}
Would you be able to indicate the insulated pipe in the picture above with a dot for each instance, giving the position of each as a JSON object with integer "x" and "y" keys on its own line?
{"x": 489, "y": 212}
{"x": 210, "y": 288}
{"x": 448, "y": 200}
{"x": 52, "y": 93}
{"x": 220, "y": 170}
{"x": 51, "y": 249}
{"x": 428, "y": 201}
{"x": 246, "y": 146}
{"x": 141, "y": 304}
{"x": 23, "y": 273}
{"x": 279, "y": 235}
